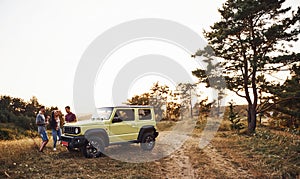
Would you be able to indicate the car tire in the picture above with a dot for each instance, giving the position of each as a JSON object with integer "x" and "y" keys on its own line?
{"x": 148, "y": 141}
{"x": 93, "y": 148}
{"x": 70, "y": 149}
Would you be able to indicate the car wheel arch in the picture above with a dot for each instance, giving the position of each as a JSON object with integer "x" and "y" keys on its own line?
{"x": 99, "y": 133}
{"x": 144, "y": 130}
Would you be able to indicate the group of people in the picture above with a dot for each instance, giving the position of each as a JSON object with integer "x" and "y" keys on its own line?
{"x": 43, "y": 121}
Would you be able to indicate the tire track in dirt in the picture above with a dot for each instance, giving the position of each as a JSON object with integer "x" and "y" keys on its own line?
{"x": 225, "y": 165}
{"x": 177, "y": 164}
{"x": 180, "y": 165}
{"x": 185, "y": 164}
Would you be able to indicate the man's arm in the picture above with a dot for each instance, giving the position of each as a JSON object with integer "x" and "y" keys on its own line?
{"x": 38, "y": 120}
{"x": 74, "y": 116}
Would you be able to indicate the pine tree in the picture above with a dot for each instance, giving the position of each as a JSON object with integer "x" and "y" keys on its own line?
{"x": 234, "y": 118}
{"x": 286, "y": 99}
{"x": 252, "y": 38}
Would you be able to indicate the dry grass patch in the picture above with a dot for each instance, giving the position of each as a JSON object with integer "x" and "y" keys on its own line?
{"x": 20, "y": 159}
{"x": 267, "y": 154}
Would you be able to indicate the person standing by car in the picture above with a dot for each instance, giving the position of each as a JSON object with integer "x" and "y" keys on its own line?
{"x": 55, "y": 126}
{"x": 70, "y": 117}
{"x": 42, "y": 122}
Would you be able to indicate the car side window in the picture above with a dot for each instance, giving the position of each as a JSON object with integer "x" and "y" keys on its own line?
{"x": 125, "y": 114}
{"x": 145, "y": 114}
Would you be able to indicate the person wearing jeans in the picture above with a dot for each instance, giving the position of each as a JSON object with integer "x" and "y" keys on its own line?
{"x": 55, "y": 126}
{"x": 41, "y": 123}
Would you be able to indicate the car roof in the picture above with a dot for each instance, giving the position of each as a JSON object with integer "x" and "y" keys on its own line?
{"x": 134, "y": 106}
{"x": 131, "y": 106}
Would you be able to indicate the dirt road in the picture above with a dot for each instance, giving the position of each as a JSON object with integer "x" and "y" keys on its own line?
{"x": 190, "y": 161}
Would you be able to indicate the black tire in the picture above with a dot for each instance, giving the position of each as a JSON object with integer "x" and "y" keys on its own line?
{"x": 148, "y": 141}
{"x": 93, "y": 148}
{"x": 70, "y": 149}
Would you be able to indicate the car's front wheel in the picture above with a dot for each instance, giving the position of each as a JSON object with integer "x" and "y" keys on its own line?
{"x": 148, "y": 141}
{"x": 93, "y": 148}
{"x": 70, "y": 149}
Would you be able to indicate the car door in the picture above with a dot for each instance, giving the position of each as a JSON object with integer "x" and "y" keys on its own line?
{"x": 123, "y": 126}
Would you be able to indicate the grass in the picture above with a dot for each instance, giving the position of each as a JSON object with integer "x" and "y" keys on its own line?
{"x": 20, "y": 159}
{"x": 278, "y": 152}
{"x": 165, "y": 125}
{"x": 9, "y": 131}
{"x": 266, "y": 154}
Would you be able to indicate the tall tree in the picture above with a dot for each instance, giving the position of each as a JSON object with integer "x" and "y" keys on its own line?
{"x": 173, "y": 111}
{"x": 187, "y": 91}
{"x": 18, "y": 106}
{"x": 5, "y": 102}
{"x": 203, "y": 108}
{"x": 158, "y": 98}
{"x": 285, "y": 99}
{"x": 211, "y": 75}
{"x": 32, "y": 107}
{"x": 252, "y": 37}
{"x": 142, "y": 99}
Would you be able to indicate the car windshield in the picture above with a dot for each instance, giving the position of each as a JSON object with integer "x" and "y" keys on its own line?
{"x": 102, "y": 113}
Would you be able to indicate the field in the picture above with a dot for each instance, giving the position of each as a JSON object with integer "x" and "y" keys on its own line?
{"x": 266, "y": 154}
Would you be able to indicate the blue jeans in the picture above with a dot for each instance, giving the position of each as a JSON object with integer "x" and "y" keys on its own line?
{"x": 44, "y": 136}
{"x": 55, "y": 134}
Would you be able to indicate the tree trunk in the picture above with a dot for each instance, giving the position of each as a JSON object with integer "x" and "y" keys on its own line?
{"x": 251, "y": 118}
{"x": 191, "y": 103}
{"x": 218, "y": 107}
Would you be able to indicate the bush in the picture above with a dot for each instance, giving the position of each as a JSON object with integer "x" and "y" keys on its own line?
{"x": 225, "y": 126}
{"x": 29, "y": 133}
{"x": 25, "y": 122}
{"x": 17, "y": 133}
{"x": 3, "y": 118}
{"x": 8, "y": 134}
{"x": 234, "y": 119}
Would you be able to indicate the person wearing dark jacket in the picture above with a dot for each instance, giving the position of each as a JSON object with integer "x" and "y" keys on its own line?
{"x": 55, "y": 126}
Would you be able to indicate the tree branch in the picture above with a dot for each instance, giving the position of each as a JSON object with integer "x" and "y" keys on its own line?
{"x": 277, "y": 102}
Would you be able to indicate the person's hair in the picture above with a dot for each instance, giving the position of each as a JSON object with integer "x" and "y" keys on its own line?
{"x": 42, "y": 107}
{"x": 52, "y": 116}
{"x": 67, "y": 107}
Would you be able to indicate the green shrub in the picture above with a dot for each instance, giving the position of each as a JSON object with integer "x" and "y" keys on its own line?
{"x": 235, "y": 120}
{"x": 29, "y": 133}
{"x": 11, "y": 132}
{"x": 7, "y": 134}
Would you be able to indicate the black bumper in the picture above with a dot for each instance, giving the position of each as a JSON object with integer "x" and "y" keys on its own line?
{"x": 73, "y": 141}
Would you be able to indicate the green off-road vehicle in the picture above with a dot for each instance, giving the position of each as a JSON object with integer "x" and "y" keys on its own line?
{"x": 111, "y": 125}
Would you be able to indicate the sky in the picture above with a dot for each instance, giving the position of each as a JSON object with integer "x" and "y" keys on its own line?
{"x": 42, "y": 42}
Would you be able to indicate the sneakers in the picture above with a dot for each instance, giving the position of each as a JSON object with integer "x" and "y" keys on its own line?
{"x": 54, "y": 149}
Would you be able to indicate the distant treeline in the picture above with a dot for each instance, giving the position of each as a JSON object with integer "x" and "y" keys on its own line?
{"x": 17, "y": 117}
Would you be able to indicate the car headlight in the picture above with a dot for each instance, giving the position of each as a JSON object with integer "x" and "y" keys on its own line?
{"x": 77, "y": 130}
